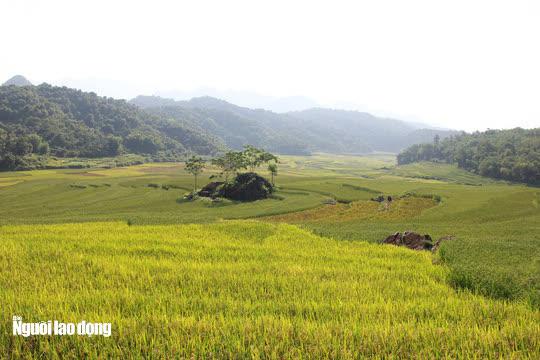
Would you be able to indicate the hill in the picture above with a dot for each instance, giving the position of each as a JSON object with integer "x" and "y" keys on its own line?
{"x": 501, "y": 154}
{"x": 354, "y": 132}
{"x": 18, "y": 80}
{"x": 234, "y": 125}
{"x": 301, "y": 132}
{"x": 66, "y": 122}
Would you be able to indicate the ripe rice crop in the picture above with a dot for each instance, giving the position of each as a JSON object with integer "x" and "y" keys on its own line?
{"x": 244, "y": 289}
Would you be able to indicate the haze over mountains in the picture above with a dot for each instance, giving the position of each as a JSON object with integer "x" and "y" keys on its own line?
{"x": 18, "y": 80}
{"x": 247, "y": 99}
{"x": 298, "y": 132}
{"x": 76, "y": 123}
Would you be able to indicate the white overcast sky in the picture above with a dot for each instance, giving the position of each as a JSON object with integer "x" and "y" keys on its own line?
{"x": 470, "y": 64}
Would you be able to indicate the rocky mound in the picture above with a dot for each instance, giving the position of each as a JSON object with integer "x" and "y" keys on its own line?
{"x": 245, "y": 187}
{"x": 414, "y": 241}
{"x": 211, "y": 190}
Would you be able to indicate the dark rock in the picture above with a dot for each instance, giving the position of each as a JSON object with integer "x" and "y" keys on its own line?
{"x": 411, "y": 240}
{"x": 416, "y": 241}
{"x": 247, "y": 187}
{"x": 210, "y": 189}
{"x": 393, "y": 239}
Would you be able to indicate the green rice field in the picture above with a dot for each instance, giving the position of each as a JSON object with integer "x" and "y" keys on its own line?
{"x": 299, "y": 275}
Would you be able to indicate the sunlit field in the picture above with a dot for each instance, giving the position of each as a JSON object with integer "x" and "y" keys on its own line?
{"x": 245, "y": 289}
{"x": 302, "y": 278}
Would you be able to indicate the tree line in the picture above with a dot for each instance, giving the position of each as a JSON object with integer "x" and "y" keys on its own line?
{"x": 501, "y": 154}
{"x": 63, "y": 122}
{"x": 232, "y": 162}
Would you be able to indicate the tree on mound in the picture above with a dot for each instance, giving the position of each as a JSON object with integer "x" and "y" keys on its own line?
{"x": 246, "y": 187}
{"x": 195, "y": 166}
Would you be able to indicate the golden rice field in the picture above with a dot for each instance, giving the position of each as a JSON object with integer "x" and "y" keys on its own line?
{"x": 404, "y": 208}
{"x": 244, "y": 289}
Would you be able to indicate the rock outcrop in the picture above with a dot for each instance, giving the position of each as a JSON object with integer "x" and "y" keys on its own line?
{"x": 245, "y": 187}
{"x": 415, "y": 241}
{"x": 211, "y": 189}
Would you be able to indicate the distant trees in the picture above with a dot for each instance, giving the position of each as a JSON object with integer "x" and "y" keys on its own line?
{"x": 195, "y": 166}
{"x": 273, "y": 171}
{"x": 502, "y": 154}
{"x": 255, "y": 157}
{"x": 140, "y": 142}
{"x": 250, "y": 158}
{"x": 14, "y": 148}
{"x": 230, "y": 163}
{"x": 66, "y": 122}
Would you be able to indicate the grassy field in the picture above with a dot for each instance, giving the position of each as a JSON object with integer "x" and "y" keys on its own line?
{"x": 244, "y": 289}
{"x": 496, "y": 252}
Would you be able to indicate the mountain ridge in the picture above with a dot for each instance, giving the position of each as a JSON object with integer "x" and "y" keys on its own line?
{"x": 17, "y": 80}
{"x": 65, "y": 122}
{"x": 316, "y": 129}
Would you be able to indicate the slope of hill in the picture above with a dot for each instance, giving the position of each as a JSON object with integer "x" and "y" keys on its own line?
{"x": 323, "y": 130}
{"x": 355, "y": 131}
{"x": 18, "y": 80}
{"x": 235, "y": 125}
{"x": 502, "y": 154}
{"x": 70, "y": 123}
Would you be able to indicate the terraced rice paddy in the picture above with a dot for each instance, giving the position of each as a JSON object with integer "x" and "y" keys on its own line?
{"x": 301, "y": 279}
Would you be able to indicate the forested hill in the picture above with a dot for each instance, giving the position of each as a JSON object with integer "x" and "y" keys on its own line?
{"x": 70, "y": 123}
{"x": 360, "y": 130}
{"x": 502, "y": 154}
{"x": 324, "y": 130}
{"x": 235, "y": 125}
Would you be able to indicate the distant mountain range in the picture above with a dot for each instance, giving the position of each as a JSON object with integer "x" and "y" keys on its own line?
{"x": 299, "y": 132}
{"x": 70, "y": 123}
{"x": 246, "y": 99}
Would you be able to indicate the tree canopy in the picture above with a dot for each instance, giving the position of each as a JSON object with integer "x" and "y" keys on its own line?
{"x": 70, "y": 123}
{"x": 250, "y": 158}
{"x": 502, "y": 154}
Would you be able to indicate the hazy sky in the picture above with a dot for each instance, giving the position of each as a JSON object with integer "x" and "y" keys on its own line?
{"x": 469, "y": 64}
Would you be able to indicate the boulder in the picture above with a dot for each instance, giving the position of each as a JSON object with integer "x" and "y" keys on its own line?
{"x": 415, "y": 241}
{"x": 411, "y": 240}
{"x": 393, "y": 239}
{"x": 210, "y": 189}
{"x": 246, "y": 187}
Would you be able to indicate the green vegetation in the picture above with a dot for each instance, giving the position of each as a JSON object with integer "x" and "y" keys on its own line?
{"x": 502, "y": 154}
{"x": 37, "y": 122}
{"x": 295, "y": 133}
{"x": 273, "y": 169}
{"x": 248, "y": 186}
{"x": 69, "y": 123}
{"x": 244, "y": 290}
{"x": 195, "y": 166}
{"x": 321, "y": 290}
{"x": 496, "y": 250}
{"x": 250, "y": 158}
